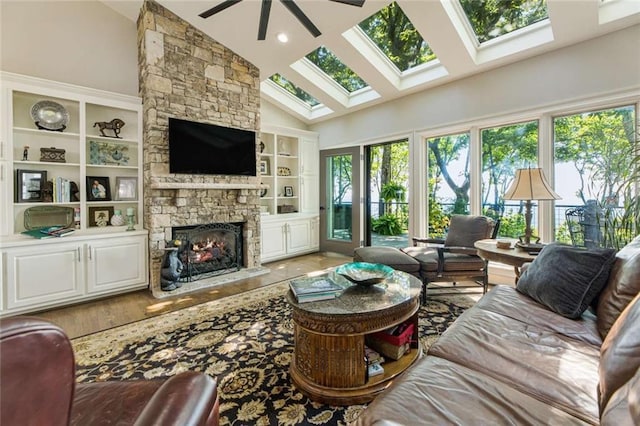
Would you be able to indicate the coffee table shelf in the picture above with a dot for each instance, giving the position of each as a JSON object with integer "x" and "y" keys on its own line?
{"x": 328, "y": 363}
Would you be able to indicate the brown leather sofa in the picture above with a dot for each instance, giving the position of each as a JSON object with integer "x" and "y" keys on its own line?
{"x": 38, "y": 387}
{"x": 511, "y": 360}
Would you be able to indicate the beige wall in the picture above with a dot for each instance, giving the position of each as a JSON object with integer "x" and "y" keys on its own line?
{"x": 77, "y": 42}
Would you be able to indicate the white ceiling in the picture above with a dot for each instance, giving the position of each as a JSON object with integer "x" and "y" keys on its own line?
{"x": 440, "y": 22}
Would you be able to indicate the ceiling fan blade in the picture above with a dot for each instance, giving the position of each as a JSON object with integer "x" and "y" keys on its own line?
{"x": 219, "y": 8}
{"x": 358, "y": 3}
{"x": 264, "y": 19}
{"x": 298, "y": 13}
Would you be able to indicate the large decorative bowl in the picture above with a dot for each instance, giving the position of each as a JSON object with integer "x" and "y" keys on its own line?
{"x": 365, "y": 274}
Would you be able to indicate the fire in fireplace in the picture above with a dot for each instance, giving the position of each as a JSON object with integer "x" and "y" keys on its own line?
{"x": 209, "y": 250}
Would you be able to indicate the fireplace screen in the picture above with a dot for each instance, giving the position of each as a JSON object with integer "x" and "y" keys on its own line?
{"x": 209, "y": 250}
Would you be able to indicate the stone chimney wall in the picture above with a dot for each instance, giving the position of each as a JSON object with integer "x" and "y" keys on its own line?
{"x": 185, "y": 74}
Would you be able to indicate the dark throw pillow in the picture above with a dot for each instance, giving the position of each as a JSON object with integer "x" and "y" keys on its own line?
{"x": 566, "y": 279}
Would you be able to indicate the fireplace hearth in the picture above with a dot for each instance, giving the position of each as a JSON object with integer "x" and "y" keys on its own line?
{"x": 209, "y": 250}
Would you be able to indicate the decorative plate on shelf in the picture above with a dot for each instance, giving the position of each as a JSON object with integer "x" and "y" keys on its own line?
{"x": 284, "y": 171}
{"x": 50, "y": 115}
{"x": 365, "y": 274}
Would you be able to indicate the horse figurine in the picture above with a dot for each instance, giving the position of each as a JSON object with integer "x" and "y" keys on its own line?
{"x": 115, "y": 125}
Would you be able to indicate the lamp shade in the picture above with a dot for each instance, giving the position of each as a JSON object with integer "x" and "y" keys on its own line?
{"x": 530, "y": 184}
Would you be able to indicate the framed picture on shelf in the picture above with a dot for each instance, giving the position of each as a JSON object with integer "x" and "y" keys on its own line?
{"x": 288, "y": 191}
{"x": 126, "y": 188}
{"x": 100, "y": 216}
{"x": 98, "y": 188}
{"x": 264, "y": 167}
{"x": 30, "y": 186}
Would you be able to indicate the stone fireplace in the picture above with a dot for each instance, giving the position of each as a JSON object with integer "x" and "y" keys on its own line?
{"x": 187, "y": 75}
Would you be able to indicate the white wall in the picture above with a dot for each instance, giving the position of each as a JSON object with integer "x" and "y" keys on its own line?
{"x": 272, "y": 115}
{"x": 79, "y": 42}
{"x": 604, "y": 65}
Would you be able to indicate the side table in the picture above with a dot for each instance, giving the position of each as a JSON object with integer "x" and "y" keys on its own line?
{"x": 516, "y": 257}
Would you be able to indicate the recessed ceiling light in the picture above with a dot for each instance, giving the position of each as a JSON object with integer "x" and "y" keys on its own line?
{"x": 282, "y": 37}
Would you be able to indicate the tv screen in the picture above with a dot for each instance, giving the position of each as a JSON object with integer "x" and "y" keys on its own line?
{"x": 201, "y": 148}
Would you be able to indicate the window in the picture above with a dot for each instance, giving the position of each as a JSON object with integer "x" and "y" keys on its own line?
{"x": 448, "y": 180}
{"x": 491, "y": 19}
{"x": 397, "y": 38}
{"x": 294, "y": 90}
{"x": 505, "y": 149}
{"x": 595, "y": 157}
{"x": 324, "y": 59}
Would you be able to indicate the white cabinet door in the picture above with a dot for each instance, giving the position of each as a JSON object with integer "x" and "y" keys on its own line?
{"x": 272, "y": 241}
{"x": 298, "y": 236}
{"x": 116, "y": 263}
{"x": 41, "y": 275}
{"x": 309, "y": 156}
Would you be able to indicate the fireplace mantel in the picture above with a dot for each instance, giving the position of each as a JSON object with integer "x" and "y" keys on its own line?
{"x": 202, "y": 185}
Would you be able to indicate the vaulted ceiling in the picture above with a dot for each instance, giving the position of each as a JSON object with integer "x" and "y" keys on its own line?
{"x": 441, "y": 23}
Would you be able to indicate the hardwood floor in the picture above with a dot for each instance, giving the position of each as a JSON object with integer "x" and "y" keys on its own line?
{"x": 90, "y": 317}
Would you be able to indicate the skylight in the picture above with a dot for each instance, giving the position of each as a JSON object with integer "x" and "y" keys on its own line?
{"x": 397, "y": 38}
{"x": 329, "y": 63}
{"x": 294, "y": 90}
{"x": 490, "y": 19}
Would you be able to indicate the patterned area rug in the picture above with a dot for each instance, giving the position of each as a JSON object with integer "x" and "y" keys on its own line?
{"x": 246, "y": 341}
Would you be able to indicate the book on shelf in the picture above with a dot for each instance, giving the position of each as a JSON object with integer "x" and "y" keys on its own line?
{"x": 311, "y": 289}
{"x": 50, "y": 231}
{"x": 35, "y": 233}
{"x": 373, "y": 356}
{"x": 57, "y": 231}
{"x": 374, "y": 369}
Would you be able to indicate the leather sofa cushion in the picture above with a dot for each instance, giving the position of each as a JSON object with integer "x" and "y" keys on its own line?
{"x": 620, "y": 354}
{"x": 535, "y": 360}
{"x": 623, "y": 285}
{"x": 436, "y": 391}
{"x": 389, "y": 256}
{"x": 505, "y": 300}
{"x": 623, "y": 407}
{"x": 567, "y": 279}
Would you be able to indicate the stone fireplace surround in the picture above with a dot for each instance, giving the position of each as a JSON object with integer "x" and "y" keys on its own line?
{"x": 185, "y": 74}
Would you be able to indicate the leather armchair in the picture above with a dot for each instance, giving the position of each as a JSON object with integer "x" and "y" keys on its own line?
{"x": 455, "y": 258}
{"x": 37, "y": 372}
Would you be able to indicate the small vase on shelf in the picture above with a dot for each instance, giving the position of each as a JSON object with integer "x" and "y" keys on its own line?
{"x": 130, "y": 220}
{"x": 117, "y": 219}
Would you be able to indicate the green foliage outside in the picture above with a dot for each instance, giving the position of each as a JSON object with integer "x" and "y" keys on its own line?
{"x": 493, "y": 18}
{"x": 324, "y": 59}
{"x": 395, "y": 35}
{"x": 387, "y": 224}
{"x": 294, "y": 90}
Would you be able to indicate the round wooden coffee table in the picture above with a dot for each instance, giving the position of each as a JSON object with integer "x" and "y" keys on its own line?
{"x": 516, "y": 257}
{"x": 329, "y": 359}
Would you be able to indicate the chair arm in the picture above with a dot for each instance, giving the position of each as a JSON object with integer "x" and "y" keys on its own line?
{"x": 417, "y": 240}
{"x": 461, "y": 250}
{"x": 188, "y": 398}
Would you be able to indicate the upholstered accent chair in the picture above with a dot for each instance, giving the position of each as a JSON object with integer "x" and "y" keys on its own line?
{"x": 37, "y": 372}
{"x": 454, "y": 258}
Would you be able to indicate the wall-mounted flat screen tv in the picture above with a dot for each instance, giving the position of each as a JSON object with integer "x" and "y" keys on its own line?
{"x": 208, "y": 149}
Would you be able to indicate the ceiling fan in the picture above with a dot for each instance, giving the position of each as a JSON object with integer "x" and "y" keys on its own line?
{"x": 266, "y": 8}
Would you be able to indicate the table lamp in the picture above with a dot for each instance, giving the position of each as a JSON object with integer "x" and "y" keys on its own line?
{"x": 529, "y": 184}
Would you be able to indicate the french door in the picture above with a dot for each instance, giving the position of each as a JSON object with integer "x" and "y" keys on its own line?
{"x": 340, "y": 202}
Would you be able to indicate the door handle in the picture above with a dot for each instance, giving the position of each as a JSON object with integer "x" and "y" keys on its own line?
{"x": 322, "y": 208}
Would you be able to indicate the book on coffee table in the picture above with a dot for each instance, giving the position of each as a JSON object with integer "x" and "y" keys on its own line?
{"x": 311, "y": 289}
